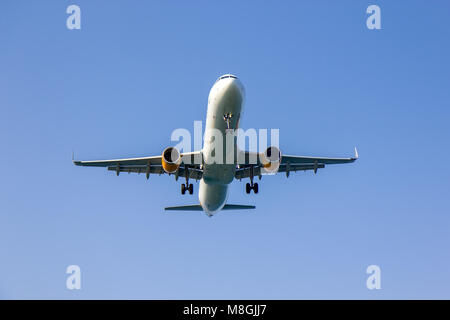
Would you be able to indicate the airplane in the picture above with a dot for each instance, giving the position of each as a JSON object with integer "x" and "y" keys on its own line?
{"x": 225, "y": 106}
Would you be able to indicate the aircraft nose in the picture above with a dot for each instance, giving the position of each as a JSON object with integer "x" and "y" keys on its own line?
{"x": 234, "y": 86}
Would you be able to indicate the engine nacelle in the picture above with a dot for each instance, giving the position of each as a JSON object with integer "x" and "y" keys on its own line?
{"x": 270, "y": 159}
{"x": 171, "y": 159}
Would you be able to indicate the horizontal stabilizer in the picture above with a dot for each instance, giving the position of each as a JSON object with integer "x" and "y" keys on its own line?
{"x": 193, "y": 207}
{"x": 237, "y": 207}
{"x": 197, "y": 207}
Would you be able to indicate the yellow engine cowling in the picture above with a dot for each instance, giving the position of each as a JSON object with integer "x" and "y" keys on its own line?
{"x": 171, "y": 159}
{"x": 270, "y": 159}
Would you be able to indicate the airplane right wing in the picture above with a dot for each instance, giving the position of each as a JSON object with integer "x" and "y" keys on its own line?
{"x": 287, "y": 164}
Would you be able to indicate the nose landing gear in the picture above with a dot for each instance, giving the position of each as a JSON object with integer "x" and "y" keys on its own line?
{"x": 227, "y": 118}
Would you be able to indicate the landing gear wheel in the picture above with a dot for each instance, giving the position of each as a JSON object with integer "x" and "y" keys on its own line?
{"x": 191, "y": 188}
{"x": 247, "y": 188}
{"x": 255, "y": 188}
{"x": 183, "y": 188}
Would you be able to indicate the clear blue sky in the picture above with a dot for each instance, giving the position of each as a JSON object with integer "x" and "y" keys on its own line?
{"x": 135, "y": 72}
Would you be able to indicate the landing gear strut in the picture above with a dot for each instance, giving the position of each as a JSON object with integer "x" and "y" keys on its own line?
{"x": 187, "y": 186}
{"x": 227, "y": 118}
{"x": 251, "y": 186}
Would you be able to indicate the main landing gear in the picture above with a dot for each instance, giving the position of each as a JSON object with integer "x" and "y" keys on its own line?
{"x": 251, "y": 186}
{"x": 188, "y": 186}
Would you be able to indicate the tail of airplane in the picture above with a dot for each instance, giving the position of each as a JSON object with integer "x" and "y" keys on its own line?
{"x": 197, "y": 207}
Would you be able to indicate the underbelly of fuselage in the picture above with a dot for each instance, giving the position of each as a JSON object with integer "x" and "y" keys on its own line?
{"x": 219, "y": 165}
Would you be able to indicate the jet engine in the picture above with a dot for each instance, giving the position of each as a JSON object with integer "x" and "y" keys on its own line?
{"x": 270, "y": 159}
{"x": 171, "y": 159}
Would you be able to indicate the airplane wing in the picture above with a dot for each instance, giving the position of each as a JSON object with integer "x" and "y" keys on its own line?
{"x": 320, "y": 160}
{"x": 290, "y": 163}
{"x": 148, "y": 165}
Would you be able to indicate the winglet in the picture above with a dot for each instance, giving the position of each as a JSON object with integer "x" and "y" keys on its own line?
{"x": 356, "y": 153}
{"x": 75, "y": 162}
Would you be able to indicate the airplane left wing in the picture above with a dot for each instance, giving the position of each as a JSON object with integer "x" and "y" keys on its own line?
{"x": 156, "y": 160}
{"x": 148, "y": 165}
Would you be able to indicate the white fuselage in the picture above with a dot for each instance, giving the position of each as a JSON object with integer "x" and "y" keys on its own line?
{"x": 226, "y": 97}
